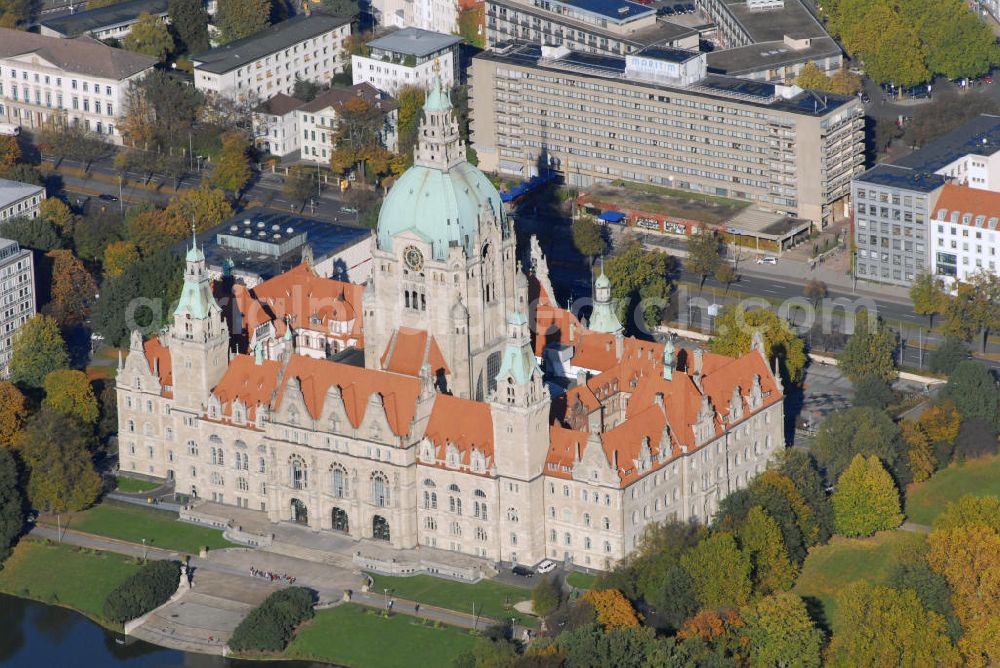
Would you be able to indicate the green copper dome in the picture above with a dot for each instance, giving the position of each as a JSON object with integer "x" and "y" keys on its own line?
{"x": 445, "y": 208}
{"x": 442, "y": 198}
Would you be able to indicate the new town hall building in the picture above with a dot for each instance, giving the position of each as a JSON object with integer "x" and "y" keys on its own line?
{"x": 448, "y": 435}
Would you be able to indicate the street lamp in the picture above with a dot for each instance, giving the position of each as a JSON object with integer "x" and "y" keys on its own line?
{"x": 144, "y": 549}
{"x": 386, "y": 592}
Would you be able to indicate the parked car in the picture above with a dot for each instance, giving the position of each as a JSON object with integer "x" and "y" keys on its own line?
{"x": 665, "y": 11}
{"x": 348, "y": 209}
{"x": 107, "y": 198}
{"x": 522, "y": 571}
{"x": 679, "y": 9}
{"x": 547, "y": 566}
{"x": 767, "y": 259}
{"x": 689, "y": 7}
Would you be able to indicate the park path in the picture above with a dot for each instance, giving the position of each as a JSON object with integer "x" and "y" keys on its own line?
{"x": 330, "y": 582}
{"x": 913, "y": 527}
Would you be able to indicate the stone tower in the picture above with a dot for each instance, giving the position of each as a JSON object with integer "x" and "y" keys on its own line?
{"x": 199, "y": 337}
{"x": 603, "y": 317}
{"x": 443, "y": 259}
{"x": 520, "y": 408}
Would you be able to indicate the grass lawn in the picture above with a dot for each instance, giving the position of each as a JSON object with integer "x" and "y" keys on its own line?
{"x": 926, "y": 500}
{"x": 842, "y": 561}
{"x": 160, "y": 528}
{"x": 134, "y": 485}
{"x": 63, "y": 575}
{"x": 351, "y": 635}
{"x": 492, "y": 599}
{"x": 581, "y": 580}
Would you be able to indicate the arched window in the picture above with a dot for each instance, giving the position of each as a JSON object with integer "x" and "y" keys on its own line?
{"x": 455, "y": 529}
{"x": 429, "y": 483}
{"x": 586, "y": 519}
{"x": 261, "y": 465}
{"x": 430, "y": 523}
{"x": 131, "y": 426}
{"x": 339, "y": 481}
{"x": 453, "y": 488}
{"x": 586, "y": 543}
{"x": 427, "y": 500}
{"x": 221, "y": 457}
{"x": 299, "y": 474}
{"x": 606, "y": 523}
{"x": 380, "y": 489}
{"x": 512, "y": 515}
{"x": 553, "y": 536}
{"x": 212, "y": 459}
{"x": 480, "y": 493}
{"x": 242, "y": 484}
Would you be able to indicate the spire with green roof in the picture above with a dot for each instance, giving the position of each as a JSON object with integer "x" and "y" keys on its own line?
{"x": 518, "y": 360}
{"x": 603, "y": 317}
{"x": 196, "y": 299}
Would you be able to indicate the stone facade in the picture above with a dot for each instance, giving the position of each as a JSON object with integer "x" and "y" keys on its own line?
{"x": 448, "y": 436}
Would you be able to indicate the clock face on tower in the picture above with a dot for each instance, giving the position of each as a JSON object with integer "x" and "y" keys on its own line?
{"x": 413, "y": 258}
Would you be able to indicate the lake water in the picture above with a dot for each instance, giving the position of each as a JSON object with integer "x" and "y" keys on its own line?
{"x": 36, "y": 635}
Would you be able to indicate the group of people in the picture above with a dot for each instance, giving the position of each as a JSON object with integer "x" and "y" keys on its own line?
{"x": 273, "y": 577}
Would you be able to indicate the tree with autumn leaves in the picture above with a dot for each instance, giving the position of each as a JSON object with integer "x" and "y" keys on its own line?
{"x": 866, "y": 499}
{"x": 359, "y": 141}
{"x": 73, "y": 289}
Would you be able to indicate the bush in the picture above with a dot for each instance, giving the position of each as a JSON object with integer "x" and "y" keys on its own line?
{"x": 873, "y": 392}
{"x": 976, "y": 437}
{"x": 948, "y": 355}
{"x": 269, "y": 626}
{"x": 545, "y": 596}
{"x": 148, "y": 588}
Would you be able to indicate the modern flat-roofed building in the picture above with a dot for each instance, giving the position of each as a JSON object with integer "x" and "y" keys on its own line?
{"x": 658, "y": 117}
{"x": 893, "y": 204}
{"x": 111, "y": 22}
{"x": 769, "y": 40}
{"x": 17, "y": 286}
{"x": 593, "y": 26}
{"x": 19, "y": 200}
{"x": 965, "y": 232}
{"x": 407, "y": 57}
{"x": 79, "y": 80}
{"x": 306, "y": 47}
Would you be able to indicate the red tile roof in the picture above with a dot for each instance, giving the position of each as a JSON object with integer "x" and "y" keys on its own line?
{"x": 551, "y": 323}
{"x": 409, "y": 349}
{"x": 466, "y": 424}
{"x": 251, "y": 383}
{"x": 357, "y": 385}
{"x": 963, "y": 200}
{"x": 158, "y": 358}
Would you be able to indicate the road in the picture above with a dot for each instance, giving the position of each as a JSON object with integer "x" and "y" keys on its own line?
{"x": 265, "y": 188}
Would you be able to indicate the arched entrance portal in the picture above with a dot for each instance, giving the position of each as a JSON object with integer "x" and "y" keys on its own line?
{"x": 340, "y": 522}
{"x": 300, "y": 514}
{"x": 380, "y": 528}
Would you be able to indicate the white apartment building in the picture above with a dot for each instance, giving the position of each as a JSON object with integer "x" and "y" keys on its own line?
{"x": 436, "y": 15}
{"x": 17, "y": 295}
{"x": 407, "y": 57}
{"x": 80, "y": 79}
{"x": 111, "y": 22}
{"x": 19, "y": 200}
{"x": 307, "y": 47}
{"x": 318, "y": 120}
{"x": 964, "y": 234}
{"x": 275, "y": 125}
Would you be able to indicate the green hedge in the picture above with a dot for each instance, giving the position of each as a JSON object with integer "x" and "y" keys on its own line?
{"x": 269, "y": 626}
{"x": 150, "y": 587}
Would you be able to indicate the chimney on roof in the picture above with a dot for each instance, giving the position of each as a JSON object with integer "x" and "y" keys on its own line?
{"x": 619, "y": 345}
{"x": 658, "y": 399}
{"x": 581, "y": 377}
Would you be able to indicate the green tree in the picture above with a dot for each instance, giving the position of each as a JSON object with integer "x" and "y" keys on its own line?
{"x": 204, "y": 207}
{"x": 411, "y": 102}
{"x": 143, "y": 297}
{"x": 880, "y": 626}
{"x": 781, "y": 633}
{"x": 545, "y": 596}
{"x": 61, "y": 475}
{"x": 232, "y": 168}
{"x": 145, "y": 590}
{"x": 640, "y": 278}
{"x": 760, "y": 540}
{"x": 237, "y": 19}
{"x": 870, "y": 351}
{"x": 928, "y": 296}
{"x": 812, "y": 78}
{"x": 588, "y": 238}
{"x": 54, "y": 211}
{"x": 11, "y": 504}
{"x": 872, "y": 391}
{"x": 704, "y": 254}
{"x": 161, "y": 113}
{"x": 913, "y": 572}
{"x": 975, "y": 308}
{"x": 734, "y": 337}
{"x": 346, "y": 8}
{"x": 654, "y": 573}
{"x": 721, "y": 573}
{"x": 270, "y": 626}
{"x": 800, "y": 467}
{"x": 37, "y": 234}
{"x": 69, "y": 392}
{"x": 305, "y": 90}
{"x": 958, "y": 43}
{"x": 299, "y": 184}
{"x": 972, "y": 389}
{"x": 866, "y": 499}
{"x": 149, "y": 35}
{"x": 726, "y": 274}
{"x": 590, "y": 645}
{"x": 190, "y": 21}
{"x": 859, "y": 431}
{"x": 37, "y": 350}
{"x": 13, "y": 412}
{"x": 947, "y": 356}
{"x": 970, "y": 511}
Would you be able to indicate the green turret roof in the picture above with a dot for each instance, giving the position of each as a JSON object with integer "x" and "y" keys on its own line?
{"x": 437, "y": 99}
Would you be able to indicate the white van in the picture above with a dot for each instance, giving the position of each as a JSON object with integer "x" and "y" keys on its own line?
{"x": 767, "y": 259}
